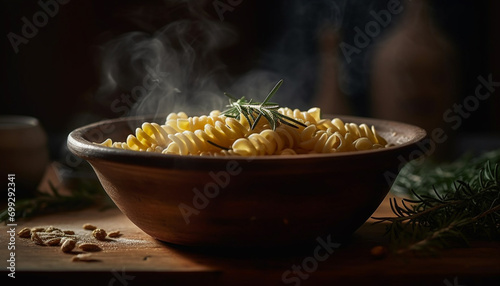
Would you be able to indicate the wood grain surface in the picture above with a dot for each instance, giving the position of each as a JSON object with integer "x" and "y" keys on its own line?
{"x": 135, "y": 258}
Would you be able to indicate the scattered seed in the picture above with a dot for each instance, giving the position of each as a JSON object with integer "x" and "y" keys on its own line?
{"x": 58, "y": 232}
{"x": 53, "y": 241}
{"x": 36, "y": 238}
{"x": 88, "y": 226}
{"x": 99, "y": 233}
{"x": 83, "y": 257}
{"x": 63, "y": 239}
{"x": 37, "y": 229}
{"x": 68, "y": 245}
{"x": 24, "y": 233}
{"x": 89, "y": 247}
{"x": 115, "y": 233}
{"x": 54, "y": 236}
{"x": 53, "y": 229}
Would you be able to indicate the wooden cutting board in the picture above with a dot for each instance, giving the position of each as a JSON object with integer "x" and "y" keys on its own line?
{"x": 137, "y": 259}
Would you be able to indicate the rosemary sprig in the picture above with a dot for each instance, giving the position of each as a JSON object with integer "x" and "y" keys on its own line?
{"x": 466, "y": 208}
{"x": 424, "y": 177}
{"x": 87, "y": 192}
{"x": 254, "y": 111}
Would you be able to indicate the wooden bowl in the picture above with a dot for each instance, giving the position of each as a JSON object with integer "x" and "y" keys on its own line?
{"x": 272, "y": 201}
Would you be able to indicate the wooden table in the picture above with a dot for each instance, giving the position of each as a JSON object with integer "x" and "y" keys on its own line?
{"x": 137, "y": 259}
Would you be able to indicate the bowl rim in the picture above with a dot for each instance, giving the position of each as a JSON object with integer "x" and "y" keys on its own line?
{"x": 86, "y": 149}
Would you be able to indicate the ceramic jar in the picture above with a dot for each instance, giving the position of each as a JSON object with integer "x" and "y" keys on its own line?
{"x": 23, "y": 151}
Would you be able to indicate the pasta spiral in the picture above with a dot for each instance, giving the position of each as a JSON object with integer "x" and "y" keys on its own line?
{"x": 151, "y": 137}
{"x": 222, "y": 132}
{"x": 218, "y": 135}
{"x": 267, "y": 142}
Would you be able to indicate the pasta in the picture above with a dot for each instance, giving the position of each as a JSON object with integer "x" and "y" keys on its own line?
{"x": 219, "y": 135}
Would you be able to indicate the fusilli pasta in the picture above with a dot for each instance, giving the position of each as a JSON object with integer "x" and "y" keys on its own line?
{"x": 218, "y": 135}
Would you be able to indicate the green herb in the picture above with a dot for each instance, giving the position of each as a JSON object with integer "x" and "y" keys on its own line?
{"x": 87, "y": 193}
{"x": 463, "y": 204}
{"x": 254, "y": 111}
{"x": 426, "y": 175}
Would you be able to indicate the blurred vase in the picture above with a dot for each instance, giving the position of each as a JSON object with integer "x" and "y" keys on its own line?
{"x": 414, "y": 77}
{"x": 329, "y": 96}
{"x": 24, "y": 152}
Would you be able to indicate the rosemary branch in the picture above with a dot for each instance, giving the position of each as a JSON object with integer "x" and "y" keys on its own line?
{"x": 467, "y": 208}
{"x": 426, "y": 243}
{"x": 86, "y": 193}
{"x": 254, "y": 111}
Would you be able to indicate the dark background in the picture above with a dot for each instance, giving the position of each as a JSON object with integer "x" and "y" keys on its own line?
{"x": 55, "y": 75}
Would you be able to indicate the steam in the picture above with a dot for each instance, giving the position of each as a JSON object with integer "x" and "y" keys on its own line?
{"x": 179, "y": 67}
{"x": 174, "y": 69}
